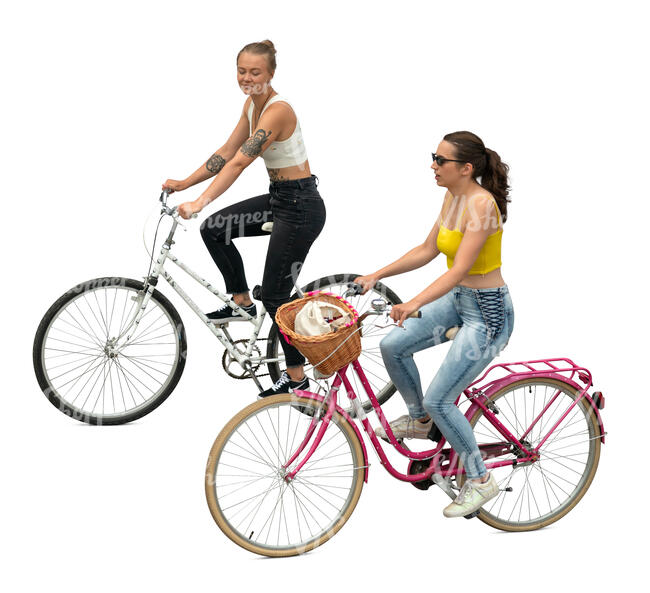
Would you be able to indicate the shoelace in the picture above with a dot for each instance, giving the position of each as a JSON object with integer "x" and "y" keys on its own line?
{"x": 395, "y": 424}
{"x": 227, "y": 307}
{"x": 464, "y": 491}
{"x": 284, "y": 379}
{"x": 400, "y": 421}
{"x": 466, "y": 488}
{"x": 413, "y": 426}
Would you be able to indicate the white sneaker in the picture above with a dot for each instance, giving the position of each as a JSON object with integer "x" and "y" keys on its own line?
{"x": 406, "y": 427}
{"x": 472, "y": 496}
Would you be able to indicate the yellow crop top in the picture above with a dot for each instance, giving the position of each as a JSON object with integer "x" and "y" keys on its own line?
{"x": 489, "y": 258}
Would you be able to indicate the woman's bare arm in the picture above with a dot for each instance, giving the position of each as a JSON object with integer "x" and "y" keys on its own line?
{"x": 418, "y": 256}
{"x": 270, "y": 126}
{"x": 415, "y": 258}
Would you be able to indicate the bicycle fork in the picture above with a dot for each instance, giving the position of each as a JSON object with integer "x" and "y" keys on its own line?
{"x": 331, "y": 401}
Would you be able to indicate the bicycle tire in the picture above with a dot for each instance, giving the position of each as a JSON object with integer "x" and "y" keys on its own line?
{"x": 225, "y": 455}
{"x": 548, "y": 478}
{"x": 382, "y": 386}
{"x": 84, "y": 337}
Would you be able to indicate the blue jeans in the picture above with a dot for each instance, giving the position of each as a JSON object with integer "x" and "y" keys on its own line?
{"x": 486, "y": 318}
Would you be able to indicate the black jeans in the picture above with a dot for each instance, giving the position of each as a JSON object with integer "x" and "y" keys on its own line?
{"x": 298, "y": 215}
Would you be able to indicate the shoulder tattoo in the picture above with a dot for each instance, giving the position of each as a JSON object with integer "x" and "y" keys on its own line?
{"x": 215, "y": 163}
{"x": 253, "y": 146}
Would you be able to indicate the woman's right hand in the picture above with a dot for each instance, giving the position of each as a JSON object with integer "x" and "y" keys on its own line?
{"x": 172, "y": 185}
{"x": 367, "y": 282}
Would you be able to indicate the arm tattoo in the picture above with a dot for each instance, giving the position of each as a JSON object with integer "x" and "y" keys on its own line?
{"x": 215, "y": 163}
{"x": 253, "y": 146}
{"x": 274, "y": 175}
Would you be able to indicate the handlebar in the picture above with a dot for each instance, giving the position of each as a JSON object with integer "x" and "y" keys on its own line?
{"x": 173, "y": 212}
{"x": 378, "y": 305}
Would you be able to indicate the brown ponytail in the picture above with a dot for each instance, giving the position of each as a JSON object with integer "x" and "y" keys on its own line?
{"x": 487, "y": 165}
{"x": 262, "y": 48}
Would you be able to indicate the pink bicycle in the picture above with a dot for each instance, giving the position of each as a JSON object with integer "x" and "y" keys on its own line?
{"x": 285, "y": 474}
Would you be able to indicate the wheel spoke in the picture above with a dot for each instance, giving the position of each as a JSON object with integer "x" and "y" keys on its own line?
{"x": 542, "y": 490}
{"x": 262, "y": 508}
{"x": 92, "y": 376}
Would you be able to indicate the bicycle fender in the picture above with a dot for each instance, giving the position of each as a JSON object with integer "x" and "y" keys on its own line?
{"x": 320, "y": 398}
{"x": 505, "y": 381}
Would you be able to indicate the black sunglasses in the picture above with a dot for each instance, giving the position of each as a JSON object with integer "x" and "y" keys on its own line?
{"x": 441, "y": 160}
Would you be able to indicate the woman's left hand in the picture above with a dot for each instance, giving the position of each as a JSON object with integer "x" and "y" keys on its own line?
{"x": 186, "y": 209}
{"x": 399, "y": 313}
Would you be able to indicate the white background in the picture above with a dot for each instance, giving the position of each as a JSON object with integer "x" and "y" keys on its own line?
{"x": 103, "y": 102}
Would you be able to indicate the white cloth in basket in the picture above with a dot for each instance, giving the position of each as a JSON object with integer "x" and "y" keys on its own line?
{"x": 315, "y": 318}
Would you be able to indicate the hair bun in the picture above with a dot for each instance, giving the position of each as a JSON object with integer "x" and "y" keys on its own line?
{"x": 269, "y": 43}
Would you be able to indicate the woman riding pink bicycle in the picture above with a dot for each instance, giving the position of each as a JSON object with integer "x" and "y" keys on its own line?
{"x": 532, "y": 423}
{"x": 470, "y": 295}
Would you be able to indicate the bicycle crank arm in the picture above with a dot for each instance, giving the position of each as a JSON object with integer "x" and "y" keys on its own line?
{"x": 444, "y": 485}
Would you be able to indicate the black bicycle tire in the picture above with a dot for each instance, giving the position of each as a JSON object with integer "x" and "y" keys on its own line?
{"x": 97, "y": 419}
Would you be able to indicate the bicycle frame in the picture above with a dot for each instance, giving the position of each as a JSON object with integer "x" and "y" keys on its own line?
{"x": 246, "y": 358}
{"x": 444, "y": 462}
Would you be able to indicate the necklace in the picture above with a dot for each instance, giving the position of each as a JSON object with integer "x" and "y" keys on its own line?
{"x": 262, "y": 108}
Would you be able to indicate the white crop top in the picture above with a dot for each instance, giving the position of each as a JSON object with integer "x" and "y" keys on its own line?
{"x": 285, "y": 153}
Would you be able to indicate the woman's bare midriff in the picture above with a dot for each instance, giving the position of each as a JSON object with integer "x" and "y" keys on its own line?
{"x": 289, "y": 173}
{"x": 492, "y": 279}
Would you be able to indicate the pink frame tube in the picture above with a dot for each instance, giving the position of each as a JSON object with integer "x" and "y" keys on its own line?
{"x": 438, "y": 455}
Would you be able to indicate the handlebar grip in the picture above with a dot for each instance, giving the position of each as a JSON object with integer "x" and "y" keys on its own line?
{"x": 354, "y": 289}
{"x": 416, "y": 314}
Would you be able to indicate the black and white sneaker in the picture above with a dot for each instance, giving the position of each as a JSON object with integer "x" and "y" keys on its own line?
{"x": 285, "y": 385}
{"x": 225, "y": 314}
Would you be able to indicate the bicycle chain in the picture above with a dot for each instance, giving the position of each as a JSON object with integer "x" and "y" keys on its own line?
{"x": 245, "y": 374}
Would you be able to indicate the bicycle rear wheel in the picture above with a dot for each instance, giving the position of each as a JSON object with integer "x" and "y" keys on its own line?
{"x": 372, "y": 333}
{"x": 543, "y": 491}
{"x": 245, "y": 487}
{"x": 90, "y": 374}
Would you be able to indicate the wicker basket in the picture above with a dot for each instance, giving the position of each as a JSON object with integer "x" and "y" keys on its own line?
{"x": 320, "y": 350}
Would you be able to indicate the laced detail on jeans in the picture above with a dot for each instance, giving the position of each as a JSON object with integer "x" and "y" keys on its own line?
{"x": 493, "y": 310}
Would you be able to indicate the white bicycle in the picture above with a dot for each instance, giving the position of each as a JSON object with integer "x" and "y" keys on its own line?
{"x": 112, "y": 349}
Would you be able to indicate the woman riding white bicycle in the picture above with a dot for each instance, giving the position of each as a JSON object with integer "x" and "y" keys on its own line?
{"x": 471, "y": 295}
{"x": 269, "y": 127}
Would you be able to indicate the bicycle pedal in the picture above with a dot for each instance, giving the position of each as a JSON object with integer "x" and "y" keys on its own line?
{"x": 472, "y": 515}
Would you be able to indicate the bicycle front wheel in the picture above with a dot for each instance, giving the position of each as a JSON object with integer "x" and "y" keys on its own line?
{"x": 543, "y": 491}
{"x": 245, "y": 484}
{"x": 372, "y": 333}
{"x": 91, "y": 373}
